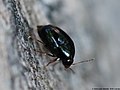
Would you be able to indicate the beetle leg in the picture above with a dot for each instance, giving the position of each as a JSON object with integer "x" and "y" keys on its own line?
{"x": 52, "y": 61}
{"x": 44, "y": 53}
{"x": 40, "y": 41}
{"x": 50, "y": 55}
{"x": 39, "y": 51}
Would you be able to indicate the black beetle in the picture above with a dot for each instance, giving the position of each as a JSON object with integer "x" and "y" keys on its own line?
{"x": 58, "y": 43}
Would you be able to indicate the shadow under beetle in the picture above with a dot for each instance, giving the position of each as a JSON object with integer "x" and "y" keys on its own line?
{"x": 58, "y": 43}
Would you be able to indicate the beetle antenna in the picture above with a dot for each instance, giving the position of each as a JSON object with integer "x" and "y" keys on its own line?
{"x": 84, "y": 61}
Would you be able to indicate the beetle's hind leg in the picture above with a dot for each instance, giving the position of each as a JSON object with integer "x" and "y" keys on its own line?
{"x": 52, "y": 61}
{"x": 45, "y": 53}
{"x": 40, "y": 42}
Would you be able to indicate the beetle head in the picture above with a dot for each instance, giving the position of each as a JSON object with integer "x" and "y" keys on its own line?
{"x": 67, "y": 63}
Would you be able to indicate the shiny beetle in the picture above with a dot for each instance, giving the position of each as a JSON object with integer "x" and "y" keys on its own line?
{"x": 58, "y": 43}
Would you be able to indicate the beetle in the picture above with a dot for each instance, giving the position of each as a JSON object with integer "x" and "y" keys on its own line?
{"x": 58, "y": 43}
